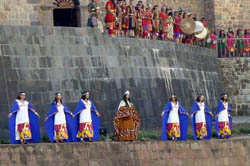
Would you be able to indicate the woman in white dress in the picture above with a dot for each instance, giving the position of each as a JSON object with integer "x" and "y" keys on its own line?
{"x": 59, "y": 121}
{"x": 174, "y": 121}
{"x": 223, "y": 121}
{"x": 23, "y": 121}
{"x": 202, "y": 118}
{"x": 87, "y": 117}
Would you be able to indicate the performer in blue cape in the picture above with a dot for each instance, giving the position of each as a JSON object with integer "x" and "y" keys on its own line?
{"x": 202, "y": 119}
{"x": 174, "y": 121}
{"x": 23, "y": 121}
{"x": 223, "y": 120}
{"x": 87, "y": 120}
{"x": 59, "y": 122}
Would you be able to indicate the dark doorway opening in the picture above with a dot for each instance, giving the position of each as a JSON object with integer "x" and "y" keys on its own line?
{"x": 65, "y": 17}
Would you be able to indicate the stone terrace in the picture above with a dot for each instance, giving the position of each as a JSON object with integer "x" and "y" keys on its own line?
{"x": 233, "y": 152}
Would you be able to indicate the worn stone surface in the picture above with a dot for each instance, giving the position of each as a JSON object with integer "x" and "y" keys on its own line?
{"x": 190, "y": 153}
{"x": 220, "y": 15}
{"x": 236, "y": 82}
{"x": 44, "y": 60}
{"x": 232, "y": 13}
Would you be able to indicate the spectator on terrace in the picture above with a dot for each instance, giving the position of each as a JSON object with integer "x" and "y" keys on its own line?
{"x": 240, "y": 42}
{"x": 222, "y": 44}
{"x": 230, "y": 42}
{"x": 247, "y": 41}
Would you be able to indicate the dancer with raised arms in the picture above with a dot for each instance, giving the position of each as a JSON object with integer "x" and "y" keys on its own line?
{"x": 23, "y": 121}
{"x": 174, "y": 121}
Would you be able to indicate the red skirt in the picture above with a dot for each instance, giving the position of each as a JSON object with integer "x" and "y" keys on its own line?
{"x": 109, "y": 18}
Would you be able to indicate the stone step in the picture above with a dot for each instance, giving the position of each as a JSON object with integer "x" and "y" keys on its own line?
{"x": 77, "y": 36}
{"x": 137, "y": 56}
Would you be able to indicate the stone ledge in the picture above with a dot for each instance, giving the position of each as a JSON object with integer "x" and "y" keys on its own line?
{"x": 189, "y": 153}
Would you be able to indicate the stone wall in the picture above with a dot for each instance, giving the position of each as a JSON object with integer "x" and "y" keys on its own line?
{"x": 204, "y": 153}
{"x": 18, "y": 12}
{"x": 236, "y": 82}
{"x": 220, "y": 15}
{"x": 40, "y": 12}
{"x": 232, "y": 13}
{"x": 44, "y": 60}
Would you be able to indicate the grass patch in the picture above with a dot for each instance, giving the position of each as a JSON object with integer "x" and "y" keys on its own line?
{"x": 45, "y": 139}
{"x": 146, "y": 135}
{"x": 244, "y": 130}
{"x": 4, "y": 141}
{"x": 235, "y": 131}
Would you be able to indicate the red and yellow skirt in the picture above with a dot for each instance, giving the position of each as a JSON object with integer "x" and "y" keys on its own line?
{"x": 224, "y": 129}
{"x": 201, "y": 129}
{"x": 85, "y": 130}
{"x": 61, "y": 132}
{"x": 24, "y": 131}
{"x": 173, "y": 130}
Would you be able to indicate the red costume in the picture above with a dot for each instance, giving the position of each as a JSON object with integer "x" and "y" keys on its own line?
{"x": 148, "y": 21}
{"x": 177, "y": 28}
{"x": 110, "y": 16}
{"x": 164, "y": 25}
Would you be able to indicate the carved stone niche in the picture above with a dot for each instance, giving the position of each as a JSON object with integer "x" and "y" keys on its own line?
{"x": 64, "y": 3}
{"x": 46, "y": 11}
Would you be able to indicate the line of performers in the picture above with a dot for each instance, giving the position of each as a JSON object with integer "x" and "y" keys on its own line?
{"x": 83, "y": 124}
{"x": 137, "y": 21}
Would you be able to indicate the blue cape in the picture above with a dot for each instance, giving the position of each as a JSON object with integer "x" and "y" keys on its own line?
{"x": 220, "y": 108}
{"x": 209, "y": 120}
{"x": 34, "y": 124}
{"x": 183, "y": 118}
{"x": 50, "y": 121}
{"x": 95, "y": 120}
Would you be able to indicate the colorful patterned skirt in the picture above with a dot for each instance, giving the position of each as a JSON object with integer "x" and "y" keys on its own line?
{"x": 126, "y": 124}
{"x": 173, "y": 130}
{"x": 61, "y": 132}
{"x": 224, "y": 129}
{"x": 201, "y": 130}
{"x": 85, "y": 130}
{"x": 24, "y": 131}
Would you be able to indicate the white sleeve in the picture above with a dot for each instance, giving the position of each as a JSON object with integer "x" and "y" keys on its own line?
{"x": 122, "y": 104}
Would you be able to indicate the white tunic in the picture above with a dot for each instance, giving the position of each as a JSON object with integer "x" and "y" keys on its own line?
{"x": 223, "y": 115}
{"x": 173, "y": 114}
{"x": 60, "y": 115}
{"x": 85, "y": 115}
{"x": 22, "y": 115}
{"x": 122, "y": 104}
{"x": 200, "y": 114}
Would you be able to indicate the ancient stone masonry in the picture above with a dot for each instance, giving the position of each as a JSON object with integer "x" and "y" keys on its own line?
{"x": 44, "y": 60}
{"x": 203, "y": 153}
{"x": 232, "y": 13}
{"x": 219, "y": 14}
{"x": 236, "y": 82}
{"x": 17, "y": 12}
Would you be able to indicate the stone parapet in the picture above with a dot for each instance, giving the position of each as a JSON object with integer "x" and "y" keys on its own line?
{"x": 190, "y": 153}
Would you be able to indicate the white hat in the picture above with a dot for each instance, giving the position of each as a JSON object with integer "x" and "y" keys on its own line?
{"x": 127, "y": 92}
